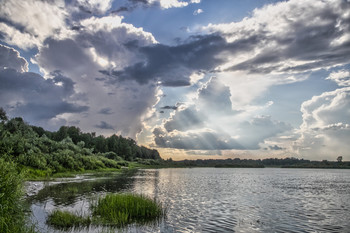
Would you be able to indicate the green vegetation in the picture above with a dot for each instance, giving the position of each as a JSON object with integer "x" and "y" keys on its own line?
{"x": 43, "y": 153}
{"x": 121, "y": 209}
{"x": 113, "y": 210}
{"x": 65, "y": 219}
{"x": 12, "y": 207}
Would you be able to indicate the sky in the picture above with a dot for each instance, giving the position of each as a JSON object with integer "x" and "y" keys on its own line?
{"x": 194, "y": 79}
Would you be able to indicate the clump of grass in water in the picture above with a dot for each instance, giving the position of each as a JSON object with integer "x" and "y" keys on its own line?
{"x": 122, "y": 209}
{"x": 65, "y": 219}
{"x": 114, "y": 210}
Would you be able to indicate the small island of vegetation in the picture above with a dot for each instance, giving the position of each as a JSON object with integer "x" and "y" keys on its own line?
{"x": 112, "y": 210}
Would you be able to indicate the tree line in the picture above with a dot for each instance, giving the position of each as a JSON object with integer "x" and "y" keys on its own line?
{"x": 68, "y": 149}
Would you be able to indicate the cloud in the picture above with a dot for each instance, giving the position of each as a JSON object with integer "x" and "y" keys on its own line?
{"x": 169, "y": 107}
{"x": 211, "y": 117}
{"x": 104, "y": 125}
{"x": 163, "y": 4}
{"x": 326, "y": 125}
{"x": 184, "y": 120}
{"x": 28, "y": 94}
{"x": 106, "y": 111}
{"x": 28, "y": 23}
{"x": 11, "y": 59}
{"x": 215, "y": 96}
{"x": 342, "y": 77}
{"x": 203, "y": 140}
{"x": 294, "y": 36}
{"x": 101, "y": 44}
{"x": 198, "y": 11}
{"x": 173, "y": 65}
{"x": 95, "y": 6}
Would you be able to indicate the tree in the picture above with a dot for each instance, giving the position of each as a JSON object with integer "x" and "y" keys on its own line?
{"x": 339, "y": 159}
{"x": 3, "y": 116}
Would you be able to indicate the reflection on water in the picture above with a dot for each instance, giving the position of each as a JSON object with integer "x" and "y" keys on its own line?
{"x": 217, "y": 199}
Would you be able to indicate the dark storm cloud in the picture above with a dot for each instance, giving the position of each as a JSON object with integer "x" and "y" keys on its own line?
{"x": 104, "y": 125}
{"x": 169, "y": 107}
{"x": 317, "y": 39}
{"x": 195, "y": 141}
{"x": 106, "y": 111}
{"x": 29, "y": 94}
{"x": 10, "y": 58}
{"x": 172, "y": 65}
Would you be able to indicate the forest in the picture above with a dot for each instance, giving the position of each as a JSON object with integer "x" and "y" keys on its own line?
{"x": 68, "y": 149}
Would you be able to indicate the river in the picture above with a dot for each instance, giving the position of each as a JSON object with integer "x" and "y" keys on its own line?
{"x": 212, "y": 199}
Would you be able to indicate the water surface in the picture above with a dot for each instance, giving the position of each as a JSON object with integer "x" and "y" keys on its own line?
{"x": 214, "y": 199}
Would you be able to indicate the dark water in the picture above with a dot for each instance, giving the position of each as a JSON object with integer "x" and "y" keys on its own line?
{"x": 215, "y": 199}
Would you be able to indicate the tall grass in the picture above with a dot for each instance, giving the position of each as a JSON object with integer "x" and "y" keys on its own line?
{"x": 65, "y": 219}
{"x": 122, "y": 209}
{"x": 12, "y": 208}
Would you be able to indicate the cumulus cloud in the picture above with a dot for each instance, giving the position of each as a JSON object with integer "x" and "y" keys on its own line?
{"x": 174, "y": 65}
{"x": 342, "y": 77}
{"x": 293, "y": 36}
{"x": 326, "y": 125}
{"x": 28, "y": 94}
{"x": 101, "y": 44}
{"x": 11, "y": 59}
{"x": 199, "y": 126}
{"x": 28, "y": 23}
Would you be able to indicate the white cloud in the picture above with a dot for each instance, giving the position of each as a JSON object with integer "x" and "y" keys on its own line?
{"x": 342, "y": 77}
{"x": 30, "y": 22}
{"x": 325, "y": 130}
{"x": 210, "y": 123}
{"x": 289, "y": 37}
{"x": 198, "y": 11}
{"x": 102, "y": 43}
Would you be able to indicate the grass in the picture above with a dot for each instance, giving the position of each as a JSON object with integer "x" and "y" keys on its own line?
{"x": 122, "y": 209}
{"x": 66, "y": 219}
{"x": 113, "y": 210}
{"x": 12, "y": 207}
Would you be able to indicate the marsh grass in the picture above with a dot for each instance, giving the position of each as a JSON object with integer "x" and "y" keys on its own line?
{"x": 122, "y": 209}
{"x": 13, "y": 211}
{"x": 66, "y": 219}
{"x": 113, "y": 210}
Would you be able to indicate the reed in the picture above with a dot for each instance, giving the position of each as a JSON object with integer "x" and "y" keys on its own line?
{"x": 66, "y": 219}
{"x": 122, "y": 209}
{"x": 13, "y": 210}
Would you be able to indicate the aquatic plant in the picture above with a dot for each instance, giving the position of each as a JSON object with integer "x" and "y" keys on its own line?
{"x": 66, "y": 219}
{"x": 122, "y": 209}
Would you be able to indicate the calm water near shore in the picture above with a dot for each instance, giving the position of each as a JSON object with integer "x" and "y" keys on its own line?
{"x": 212, "y": 199}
